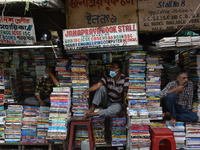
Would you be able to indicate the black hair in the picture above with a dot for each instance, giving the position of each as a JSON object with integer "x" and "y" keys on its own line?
{"x": 119, "y": 63}
{"x": 182, "y": 72}
{"x": 53, "y": 68}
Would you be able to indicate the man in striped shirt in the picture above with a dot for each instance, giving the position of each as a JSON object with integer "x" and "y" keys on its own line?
{"x": 178, "y": 97}
{"x": 111, "y": 92}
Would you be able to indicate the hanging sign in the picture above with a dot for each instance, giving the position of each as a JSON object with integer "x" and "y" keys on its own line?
{"x": 166, "y": 15}
{"x": 98, "y": 13}
{"x": 17, "y": 30}
{"x": 108, "y": 36}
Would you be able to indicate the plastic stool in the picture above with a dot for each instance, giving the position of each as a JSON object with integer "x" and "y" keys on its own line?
{"x": 158, "y": 134}
{"x": 81, "y": 121}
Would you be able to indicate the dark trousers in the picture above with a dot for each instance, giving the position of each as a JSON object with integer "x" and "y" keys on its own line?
{"x": 176, "y": 111}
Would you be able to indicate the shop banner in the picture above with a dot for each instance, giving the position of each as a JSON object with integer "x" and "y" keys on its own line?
{"x": 108, "y": 36}
{"x": 166, "y": 15}
{"x": 17, "y": 31}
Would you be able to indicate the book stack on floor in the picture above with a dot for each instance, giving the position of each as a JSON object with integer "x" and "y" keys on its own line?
{"x": 99, "y": 130}
{"x": 192, "y": 136}
{"x": 80, "y": 83}
{"x": 13, "y": 124}
{"x": 153, "y": 88}
{"x": 179, "y": 133}
{"x": 137, "y": 104}
{"x": 80, "y": 135}
{"x": 29, "y": 124}
{"x": 138, "y": 134}
{"x": 42, "y": 123}
{"x": 59, "y": 116}
{"x": 118, "y": 131}
{"x": 2, "y": 126}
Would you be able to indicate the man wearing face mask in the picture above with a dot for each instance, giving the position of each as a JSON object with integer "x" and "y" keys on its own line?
{"x": 178, "y": 97}
{"x": 111, "y": 93}
{"x": 44, "y": 88}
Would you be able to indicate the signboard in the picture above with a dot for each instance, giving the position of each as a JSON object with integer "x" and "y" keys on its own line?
{"x": 17, "y": 30}
{"x": 108, "y": 36}
{"x": 159, "y": 15}
{"x": 98, "y": 13}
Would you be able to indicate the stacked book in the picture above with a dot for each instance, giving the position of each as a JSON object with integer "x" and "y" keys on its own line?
{"x": 80, "y": 135}
{"x": 59, "y": 116}
{"x": 40, "y": 63}
{"x": 2, "y": 125}
{"x": 166, "y": 42}
{"x": 42, "y": 123}
{"x": 13, "y": 124}
{"x": 98, "y": 130}
{"x": 195, "y": 40}
{"x": 118, "y": 131}
{"x": 136, "y": 91}
{"x": 49, "y": 57}
{"x": 192, "y": 136}
{"x": 198, "y": 84}
{"x": 80, "y": 83}
{"x": 8, "y": 93}
{"x": 179, "y": 133}
{"x": 63, "y": 69}
{"x": 138, "y": 134}
{"x": 153, "y": 88}
{"x": 29, "y": 124}
{"x": 183, "y": 41}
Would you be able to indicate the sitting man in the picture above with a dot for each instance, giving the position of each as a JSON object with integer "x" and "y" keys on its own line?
{"x": 111, "y": 92}
{"x": 44, "y": 88}
{"x": 178, "y": 96}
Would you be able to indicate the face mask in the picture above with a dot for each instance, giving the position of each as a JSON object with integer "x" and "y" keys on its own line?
{"x": 46, "y": 76}
{"x": 112, "y": 74}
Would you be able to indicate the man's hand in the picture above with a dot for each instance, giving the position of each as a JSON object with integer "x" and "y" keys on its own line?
{"x": 194, "y": 110}
{"x": 85, "y": 95}
{"x": 179, "y": 88}
{"x": 48, "y": 71}
{"x": 42, "y": 104}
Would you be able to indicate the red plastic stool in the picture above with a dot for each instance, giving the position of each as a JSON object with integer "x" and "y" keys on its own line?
{"x": 81, "y": 121}
{"x": 158, "y": 134}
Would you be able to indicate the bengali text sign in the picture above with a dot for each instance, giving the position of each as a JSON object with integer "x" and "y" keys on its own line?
{"x": 108, "y": 36}
{"x": 160, "y": 15}
{"x": 17, "y": 30}
{"x": 98, "y": 13}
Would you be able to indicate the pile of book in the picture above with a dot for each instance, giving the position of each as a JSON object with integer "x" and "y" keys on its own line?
{"x": 153, "y": 83}
{"x": 64, "y": 75}
{"x": 29, "y": 124}
{"x": 118, "y": 131}
{"x": 192, "y": 136}
{"x": 179, "y": 133}
{"x": 166, "y": 42}
{"x": 80, "y": 83}
{"x": 99, "y": 130}
{"x": 59, "y": 116}
{"x": 13, "y": 124}
{"x": 42, "y": 123}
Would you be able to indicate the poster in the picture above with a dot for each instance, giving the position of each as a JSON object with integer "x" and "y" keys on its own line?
{"x": 108, "y": 36}
{"x": 166, "y": 15}
{"x": 99, "y": 13}
{"x": 17, "y": 31}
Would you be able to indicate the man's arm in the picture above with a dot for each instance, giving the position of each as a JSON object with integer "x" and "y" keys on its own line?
{"x": 91, "y": 89}
{"x": 40, "y": 100}
{"x": 38, "y": 90}
{"x": 170, "y": 88}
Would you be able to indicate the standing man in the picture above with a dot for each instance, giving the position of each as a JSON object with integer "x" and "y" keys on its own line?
{"x": 44, "y": 88}
{"x": 111, "y": 92}
{"x": 178, "y": 97}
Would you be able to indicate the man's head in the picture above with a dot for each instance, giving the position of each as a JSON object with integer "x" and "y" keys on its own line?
{"x": 182, "y": 77}
{"x": 115, "y": 68}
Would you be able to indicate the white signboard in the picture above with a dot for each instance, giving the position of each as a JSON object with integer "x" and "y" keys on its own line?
{"x": 17, "y": 30}
{"x": 108, "y": 36}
